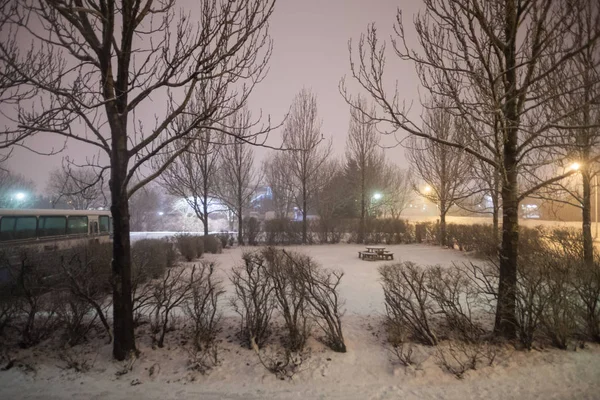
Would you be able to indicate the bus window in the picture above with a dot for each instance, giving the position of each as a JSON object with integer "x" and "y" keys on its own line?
{"x": 25, "y": 227}
{"x": 7, "y": 228}
{"x": 104, "y": 223}
{"x": 52, "y": 226}
{"x": 77, "y": 225}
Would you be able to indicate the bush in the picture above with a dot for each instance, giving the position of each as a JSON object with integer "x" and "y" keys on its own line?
{"x": 327, "y": 230}
{"x": 168, "y": 293}
{"x": 407, "y": 301}
{"x": 33, "y": 279}
{"x": 320, "y": 288}
{"x": 426, "y": 232}
{"x": 455, "y": 299}
{"x": 225, "y": 239}
{"x": 282, "y": 231}
{"x": 212, "y": 244}
{"x": 87, "y": 281}
{"x": 201, "y": 306}
{"x": 190, "y": 247}
{"x": 585, "y": 283}
{"x": 251, "y": 230}
{"x": 389, "y": 231}
{"x": 152, "y": 257}
{"x": 478, "y": 238}
{"x": 253, "y": 299}
{"x": 289, "y": 294}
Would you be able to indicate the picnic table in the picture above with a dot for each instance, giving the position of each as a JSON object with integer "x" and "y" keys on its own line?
{"x": 374, "y": 253}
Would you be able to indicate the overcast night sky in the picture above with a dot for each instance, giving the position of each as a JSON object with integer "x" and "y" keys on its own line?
{"x": 310, "y": 50}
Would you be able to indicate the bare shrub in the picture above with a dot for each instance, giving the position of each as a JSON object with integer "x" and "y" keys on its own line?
{"x": 559, "y": 315}
{"x": 203, "y": 359}
{"x": 407, "y": 300}
{"x": 458, "y": 357}
{"x": 289, "y": 294}
{"x": 405, "y": 354}
{"x": 87, "y": 280}
{"x": 151, "y": 258}
{"x": 201, "y": 307}
{"x": 320, "y": 288}
{"x": 455, "y": 298}
{"x": 585, "y": 283}
{"x": 190, "y": 247}
{"x": 34, "y": 283}
{"x": 168, "y": 293}
{"x": 73, "y": 313}
{"x": 8, "y": 308}
{"x": 283, "y": 364}
{"x": 212, "y": 244}
{"x": 253, "y": 299}
{"x": 75, "y": 360}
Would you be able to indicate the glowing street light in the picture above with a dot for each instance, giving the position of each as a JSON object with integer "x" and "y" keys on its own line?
{"x": 20, "y": 196}
{"x": 575, "y": 166}
{"x": 427, "y": 189}
{"x": 377, "y": 196}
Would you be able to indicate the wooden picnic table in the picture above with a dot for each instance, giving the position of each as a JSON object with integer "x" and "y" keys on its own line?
{"x": 375, "y": 253}
{"x": 376, "y": 249}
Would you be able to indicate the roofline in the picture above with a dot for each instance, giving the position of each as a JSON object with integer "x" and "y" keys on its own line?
{"x": 36, "y": 212}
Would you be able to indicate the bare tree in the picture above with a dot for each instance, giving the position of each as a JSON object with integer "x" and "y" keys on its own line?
{"x": 397, "y": 192}
{"x": 16, "y": 191}
{"x": 238, "y": 179}
{"x": 331, "y": 199}
{"x": 302, "y": 137}
{"x": 146, "y": 209}
{"x": 99, "y": 70}
{"x": 192, "y": 176}
{"x": 81, "y": 188}
{"x": 490, "y": 60}
{"x": 364, "y": 161}
{"x": 276, "y": 178}
{"x": 445, "y": 169}
{"x": 581, "y": 128}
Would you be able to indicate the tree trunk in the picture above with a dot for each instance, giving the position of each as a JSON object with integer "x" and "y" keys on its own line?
{"x": 362, "y": 227}
{"x": 124, "y": 338}
{"x": 588, "y": 242}
{"x": 240, "y": 227}
{"x": 205, "y": 212}
{"x": 443, "y": 231}
{"x": 506, "y": 322}
{"x": 304, "y": 230}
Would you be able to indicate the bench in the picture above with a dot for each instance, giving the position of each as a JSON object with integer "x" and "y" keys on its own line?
{"x": 388, "y": 256}
{"x": 367, "y": 255}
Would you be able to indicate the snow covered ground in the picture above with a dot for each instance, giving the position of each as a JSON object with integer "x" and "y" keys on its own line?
{"x": 366, "y": 371}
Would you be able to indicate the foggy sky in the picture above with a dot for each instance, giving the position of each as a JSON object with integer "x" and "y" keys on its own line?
{"x": 310, "y": 50}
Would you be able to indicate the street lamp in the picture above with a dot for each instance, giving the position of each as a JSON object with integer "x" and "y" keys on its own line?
{"x": 575, "y": 166}
{"x": 20, "y": 196}
{"x": 377, "y": 196}
{"x": 427, "y": 189}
